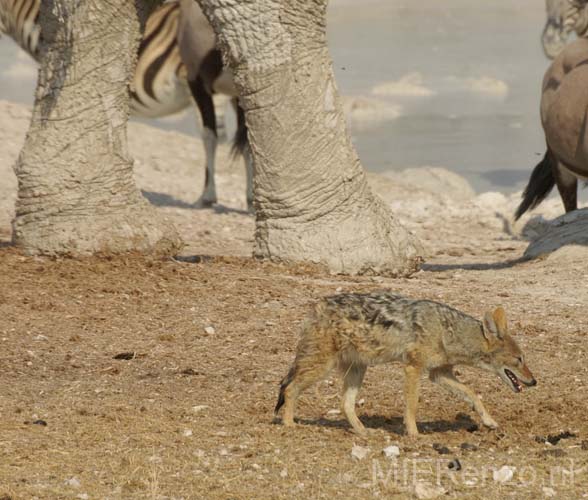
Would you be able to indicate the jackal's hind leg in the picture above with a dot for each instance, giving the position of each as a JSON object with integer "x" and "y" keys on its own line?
{"x": 307, "y": 372}
{"x": 444, "y": 376}
{"x": 352, "y": 378}
{"x": 411, "y": 396}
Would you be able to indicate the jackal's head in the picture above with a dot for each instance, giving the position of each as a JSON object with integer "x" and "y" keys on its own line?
{"x": 502, "y": 355}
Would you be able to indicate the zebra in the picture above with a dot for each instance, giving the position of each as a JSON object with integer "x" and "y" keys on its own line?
{"x": 177, "y": 64}
{"x": 563, "y": 18}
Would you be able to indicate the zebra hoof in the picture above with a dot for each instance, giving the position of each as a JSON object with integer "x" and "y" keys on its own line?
{"x": 205, "y": 203}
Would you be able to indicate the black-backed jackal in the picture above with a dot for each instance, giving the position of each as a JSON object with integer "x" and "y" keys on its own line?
{"x": 352, "y": 331}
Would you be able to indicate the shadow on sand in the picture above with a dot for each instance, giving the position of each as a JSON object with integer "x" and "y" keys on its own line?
{"x": 395, "y": 425}
{"x": 480, "y": 266}
{"x": 165, "y": 200}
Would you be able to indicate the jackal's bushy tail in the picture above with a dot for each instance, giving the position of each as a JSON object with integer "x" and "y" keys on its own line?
{"x": 286, "y": 381}
{"x": 540, "y": 184}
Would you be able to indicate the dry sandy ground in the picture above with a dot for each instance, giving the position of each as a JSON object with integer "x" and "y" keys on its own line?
{"x": 190, "y": 414}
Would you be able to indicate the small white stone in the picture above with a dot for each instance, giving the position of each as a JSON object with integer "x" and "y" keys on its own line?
{"x": 256, "y": 466}
{"x": 283, "y": 473}
{"x": 504, "y": 474}
{"x": 41, "y": 337}
{"x": 391, "y": 451}
{"x": 74, "y": 482}
{"x": 223, "y": 452}
{"x": 209, "y": 330}
{"x": 334, "y": 412}
{"x": 199, "y": 408}
{"x": 359, "y": 452}
{"x": 548, "y": 492}
{"x": 425, "y": 490}
{"x": 187, "y": 432}
{"x": 83, "y": 496}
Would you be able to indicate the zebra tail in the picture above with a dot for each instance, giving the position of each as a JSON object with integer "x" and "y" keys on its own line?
{"x": 540, "y": 184}
{"x": 240, "y": 139}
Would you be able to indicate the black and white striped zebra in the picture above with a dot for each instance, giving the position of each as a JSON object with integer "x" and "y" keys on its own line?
{"x": 177, "y": 62}
{"x": 563, "y": 18}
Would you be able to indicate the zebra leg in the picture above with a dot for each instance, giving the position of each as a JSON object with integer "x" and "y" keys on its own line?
{"x": 242, "y": 145}
{"x": 209, "y": 137}
{"x": 567, "y": 185}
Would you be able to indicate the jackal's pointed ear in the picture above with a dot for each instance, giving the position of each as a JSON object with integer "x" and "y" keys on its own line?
{"x": 490, "y": 328}
{"x": 500, "y": 320}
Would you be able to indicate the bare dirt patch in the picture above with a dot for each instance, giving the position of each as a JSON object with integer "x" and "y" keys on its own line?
{"x": 157, "y": 379}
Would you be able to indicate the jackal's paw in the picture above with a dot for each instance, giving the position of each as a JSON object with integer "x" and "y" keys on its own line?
{"x": 489, "y": 422}
{"x": 412, "y": 433}
{"x": 288, "y": 422}
{"x": 364, "y": 433}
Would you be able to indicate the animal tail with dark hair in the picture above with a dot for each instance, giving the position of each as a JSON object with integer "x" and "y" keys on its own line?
{"x": 286, "y": 381}
{"x": 540, "y": 184}
{"x": 240, "y": 139}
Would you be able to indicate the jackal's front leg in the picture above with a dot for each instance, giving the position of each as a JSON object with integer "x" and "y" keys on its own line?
{"x": 411, "y": 395}
{"x": 445, "y": 377}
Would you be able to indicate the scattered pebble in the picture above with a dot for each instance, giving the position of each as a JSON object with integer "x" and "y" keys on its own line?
{"x": 359, "y": 452}
{"x": 334, "y": 412}
{"x": 189, "y": 371}
{"x": 391, "y": 451}
{"x": 283, "y": 473}
{"x": 223, "y": 452}
{"x": 199, "y": 408}
{"x": 548, "y": 492}
{"x": 504, "y": 474}
{"x": 442, "y": 450}
{"x": 555, "y": 438}
{"x": 209, "y": 330}
{"x": 454, "y": 465}
{"x": 126, "y": 355}
{"x": 188, "y": 433}
{"x": 553, "y": 452}
{"x": 83, "y": 496}
{"x": 425, "y": 490}
{"x": 41, "y": 337}
{"x": 74, "y": 482}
